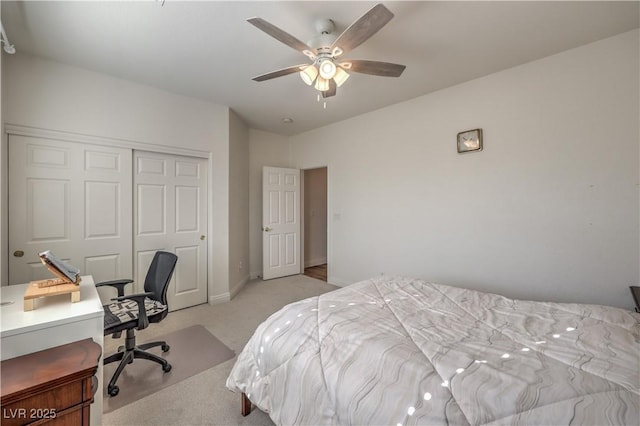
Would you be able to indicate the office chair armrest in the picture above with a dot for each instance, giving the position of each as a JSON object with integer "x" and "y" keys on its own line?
{"x": 118, "y": 284}
{"x": 143, "y": 321}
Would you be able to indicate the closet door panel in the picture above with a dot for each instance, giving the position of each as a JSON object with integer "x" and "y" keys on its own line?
{"x": 171, "y": 214}
{"x": 73, "y": 199}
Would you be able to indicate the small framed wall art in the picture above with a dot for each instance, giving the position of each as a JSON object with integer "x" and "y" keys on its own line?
{"x": 470, "y": 140}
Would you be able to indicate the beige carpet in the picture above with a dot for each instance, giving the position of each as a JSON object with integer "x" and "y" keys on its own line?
{"x": 192, "y": 351}
{"x": 203, "y": 398}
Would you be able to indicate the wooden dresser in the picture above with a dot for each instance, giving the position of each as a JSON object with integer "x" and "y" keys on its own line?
{"x": 55, "y": 321}
{"x": 54, "y": 386}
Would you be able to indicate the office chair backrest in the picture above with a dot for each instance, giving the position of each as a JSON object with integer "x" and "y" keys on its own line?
{"x": 635, "y": 291}
{"x": 159, "y": 275}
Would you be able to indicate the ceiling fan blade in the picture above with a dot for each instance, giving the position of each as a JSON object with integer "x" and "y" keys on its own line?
{"x": 280, "y": 35}
{"x": 331, "y": 91}
{"x": 280, "y": 73}
{"x": 384, "y": 69}
{"x": 362, "y": 29}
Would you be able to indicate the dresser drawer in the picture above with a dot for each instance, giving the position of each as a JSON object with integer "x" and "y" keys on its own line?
{"x": 52, "y": 386}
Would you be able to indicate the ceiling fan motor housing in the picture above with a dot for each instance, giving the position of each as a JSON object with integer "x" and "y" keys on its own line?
{"x": 323, "y": 41}
{"x": 325, "y": 26}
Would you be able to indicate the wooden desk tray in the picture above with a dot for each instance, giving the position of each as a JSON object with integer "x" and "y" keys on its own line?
{"x": 51, "y": 282}
{"x": 34, "y": 291}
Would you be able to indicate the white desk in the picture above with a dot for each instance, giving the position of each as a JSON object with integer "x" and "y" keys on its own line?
{"x": 54, "y": 321}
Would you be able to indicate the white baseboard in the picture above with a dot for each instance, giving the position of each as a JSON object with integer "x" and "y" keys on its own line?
{"x": 338, "y": 281}
{"x": 315, "y": 262}
{"x": 238, "y": 286}
{"x": 226, "y": 297}
{"x": 219, "y": 298}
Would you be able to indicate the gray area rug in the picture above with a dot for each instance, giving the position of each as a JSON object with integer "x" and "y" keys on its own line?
{"x": 193, "y": 350}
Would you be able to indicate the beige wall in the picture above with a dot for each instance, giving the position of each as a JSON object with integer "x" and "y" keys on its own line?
{"x": 54, "y": 96}
{"x": 265, "y": 149}
{"x": 548, "y": 211}
{"x": 4, "y": 236}
{"x": 238, "y": 203}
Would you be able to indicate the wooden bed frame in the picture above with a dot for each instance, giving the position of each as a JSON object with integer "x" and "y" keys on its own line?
{"x": 246, "y": 405}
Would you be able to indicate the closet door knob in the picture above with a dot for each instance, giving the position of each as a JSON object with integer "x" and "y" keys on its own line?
{"x": 18, "y": 253}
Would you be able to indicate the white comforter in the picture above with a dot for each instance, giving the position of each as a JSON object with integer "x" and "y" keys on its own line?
{"x": 404, "y": 351}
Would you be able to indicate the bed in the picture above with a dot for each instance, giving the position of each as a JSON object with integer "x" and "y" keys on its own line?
{"x": 396, "y": 351}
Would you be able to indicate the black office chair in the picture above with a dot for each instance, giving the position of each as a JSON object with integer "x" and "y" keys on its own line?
{"x": 137, "y": 311}
{"x": 635, "y": 291}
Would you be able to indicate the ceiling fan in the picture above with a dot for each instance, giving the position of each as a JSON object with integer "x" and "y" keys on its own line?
{"x": 328, "y": 69}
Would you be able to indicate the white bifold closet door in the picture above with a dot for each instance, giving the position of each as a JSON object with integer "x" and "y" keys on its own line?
{"x": 170, "y": 213}
{"x": 107, "y": 210}
{"x": 73, "y": 199}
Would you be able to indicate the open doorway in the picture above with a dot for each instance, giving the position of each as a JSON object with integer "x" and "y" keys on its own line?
{"x": 315, "y": 223}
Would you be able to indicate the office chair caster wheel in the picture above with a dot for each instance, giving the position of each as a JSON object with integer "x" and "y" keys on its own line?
{"x": 166, "y": 368}
{"x": 165, "y": 348}
{"x": 113, "y": 390}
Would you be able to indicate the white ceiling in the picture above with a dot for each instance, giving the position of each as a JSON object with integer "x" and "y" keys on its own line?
{"x": 207, "y": 50}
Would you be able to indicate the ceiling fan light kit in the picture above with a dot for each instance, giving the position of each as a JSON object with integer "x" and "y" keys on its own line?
{"x": 327, "y": 68}
{"x": 4, "y": 40}
{"x": 325, "y": 74}
{"x": 340, "y": 76}
{"x": 322, "y": 84}
{"x": 309, "y": 75}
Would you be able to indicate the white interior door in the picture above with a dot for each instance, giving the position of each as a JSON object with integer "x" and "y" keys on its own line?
{"x": 170, "y": 211}
{"x": 73, "y": 199}
{"x": 280, "y": 222}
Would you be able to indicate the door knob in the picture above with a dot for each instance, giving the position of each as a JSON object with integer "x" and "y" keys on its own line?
{"x": 202, "y": 237}
{"x": 18, "y": 253}
{"x": 267, "y": 229}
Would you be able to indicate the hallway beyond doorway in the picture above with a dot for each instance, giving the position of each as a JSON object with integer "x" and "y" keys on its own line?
{"x": 318, "y": 272}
